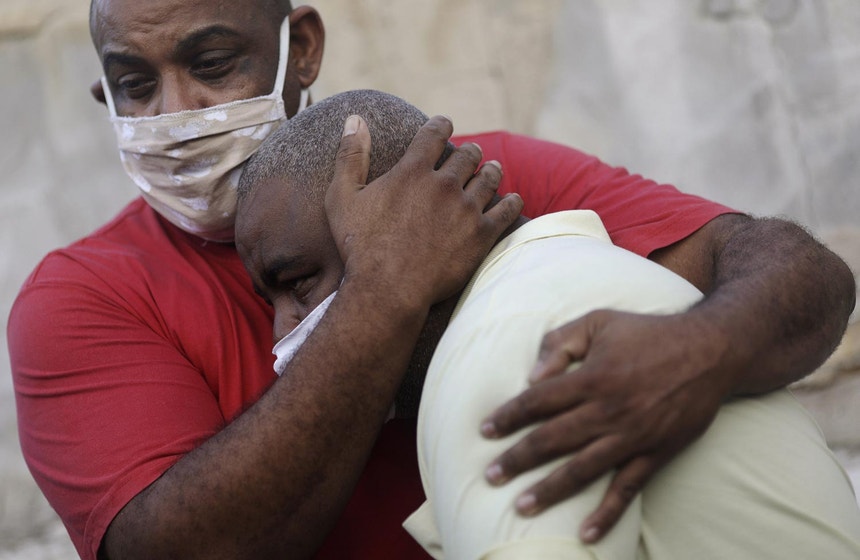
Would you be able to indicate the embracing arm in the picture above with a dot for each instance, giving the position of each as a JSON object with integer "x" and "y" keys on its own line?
{"x": 274, "y": 481}
{"x": 776, "y": 304}
{"x": 780, "y": 299}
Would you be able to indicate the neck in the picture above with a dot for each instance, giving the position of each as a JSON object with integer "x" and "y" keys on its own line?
{"x": 409, "y": 394}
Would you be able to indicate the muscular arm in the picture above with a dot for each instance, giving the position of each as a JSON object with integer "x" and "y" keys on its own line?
{"x": 780, "y": 299}
{"x": 273, "y": 482}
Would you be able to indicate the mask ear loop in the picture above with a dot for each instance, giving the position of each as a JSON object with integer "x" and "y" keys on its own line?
{"x": 303, "y": 101}
{"x": 283, "y": 57}
{"x": 108, "y": 97}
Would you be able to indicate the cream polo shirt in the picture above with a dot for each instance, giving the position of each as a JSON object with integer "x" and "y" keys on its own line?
{"x": 760, "y": 470}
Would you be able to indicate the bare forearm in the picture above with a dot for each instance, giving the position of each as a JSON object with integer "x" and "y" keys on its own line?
{"x": 779, "y": 299}
{"x": 273, "y": 482}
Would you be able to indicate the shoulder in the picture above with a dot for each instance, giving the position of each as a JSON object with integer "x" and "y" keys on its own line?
{"x": 135, "y": 243}
{"x": 532, "y": 164}
{"x": 121, "y": 265}
{"x": 509, "y": 145}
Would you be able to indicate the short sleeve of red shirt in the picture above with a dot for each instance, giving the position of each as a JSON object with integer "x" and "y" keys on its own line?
{"x": 639, "y": 214}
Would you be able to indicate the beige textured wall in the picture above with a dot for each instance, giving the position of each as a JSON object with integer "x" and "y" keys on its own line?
{"x": 485, "y": 63}
{"x": 750, "y": 102}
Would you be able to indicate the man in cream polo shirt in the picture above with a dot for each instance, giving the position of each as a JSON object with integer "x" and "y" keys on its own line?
{"x": 760, "y": 483}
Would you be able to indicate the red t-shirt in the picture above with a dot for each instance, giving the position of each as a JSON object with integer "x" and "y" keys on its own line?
{"x": 134, "y": 345}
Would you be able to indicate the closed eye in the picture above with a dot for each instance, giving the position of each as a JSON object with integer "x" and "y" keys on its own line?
{"x": 293, "y": 276}
{"x": 212, "y": 65}
{"x": 298, "y": 287}
{"x": 135, "y": 85}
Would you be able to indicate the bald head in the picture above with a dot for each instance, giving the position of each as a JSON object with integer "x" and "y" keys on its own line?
{"x": 275, "y": 9}
{"x": 302, "y": 152}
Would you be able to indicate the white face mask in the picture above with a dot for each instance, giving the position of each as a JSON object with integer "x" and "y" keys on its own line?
{"x": 287, "y": 347}
{"x": 187, "y": 164}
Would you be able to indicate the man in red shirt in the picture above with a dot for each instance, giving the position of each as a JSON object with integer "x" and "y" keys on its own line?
{"x": 148, "y": 410}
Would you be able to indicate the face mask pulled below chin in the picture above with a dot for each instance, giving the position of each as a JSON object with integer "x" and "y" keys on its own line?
{"x": 287, "y": 347}
{"x": 187, "y": 164}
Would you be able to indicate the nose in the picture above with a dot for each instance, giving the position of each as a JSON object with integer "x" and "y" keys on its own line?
{"x": 287, "y": 318}
{"x": 179, "y": 95}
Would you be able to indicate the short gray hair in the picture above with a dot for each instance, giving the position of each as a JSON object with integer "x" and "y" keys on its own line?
{"x": 303, "y": 149}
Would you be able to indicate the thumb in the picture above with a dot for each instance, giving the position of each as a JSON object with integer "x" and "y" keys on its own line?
{"x": 560, "y": 349}
{"x": 353, "y": 156}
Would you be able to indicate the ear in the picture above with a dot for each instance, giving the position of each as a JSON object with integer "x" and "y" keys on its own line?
{"x": 307, "y": 38}
{"x": 98, "y": 92}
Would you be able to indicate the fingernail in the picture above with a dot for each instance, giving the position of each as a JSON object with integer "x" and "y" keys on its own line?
{"x": 488, "y": 429}
{"x": 590, "y": 534}
{"x": 527, "y": 504}
{"x": 351, "y": 126}
{"x": 495, "y": 164}
{"x": 536, "y": 373}
{"x": 479, "y": 147}
{"x": 495, "y": 474}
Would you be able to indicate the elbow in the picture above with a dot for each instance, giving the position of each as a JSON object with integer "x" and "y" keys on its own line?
{"x": 838, "y": 283}
{"x": 838, "y": 292}
{"x": 844, "y": 286}
{"x": 850, "y": 289}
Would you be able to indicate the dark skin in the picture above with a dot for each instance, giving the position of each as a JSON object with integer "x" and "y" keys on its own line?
{"x": 764, "y": 323}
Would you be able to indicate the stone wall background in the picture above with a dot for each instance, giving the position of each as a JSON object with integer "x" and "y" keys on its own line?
{"x": 748, "y": 102}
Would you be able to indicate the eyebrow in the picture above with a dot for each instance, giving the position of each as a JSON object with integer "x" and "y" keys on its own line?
{"x": 112, "y": 58}
{"x": 202, "y": 35}
{"x": 183, "y": 45}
